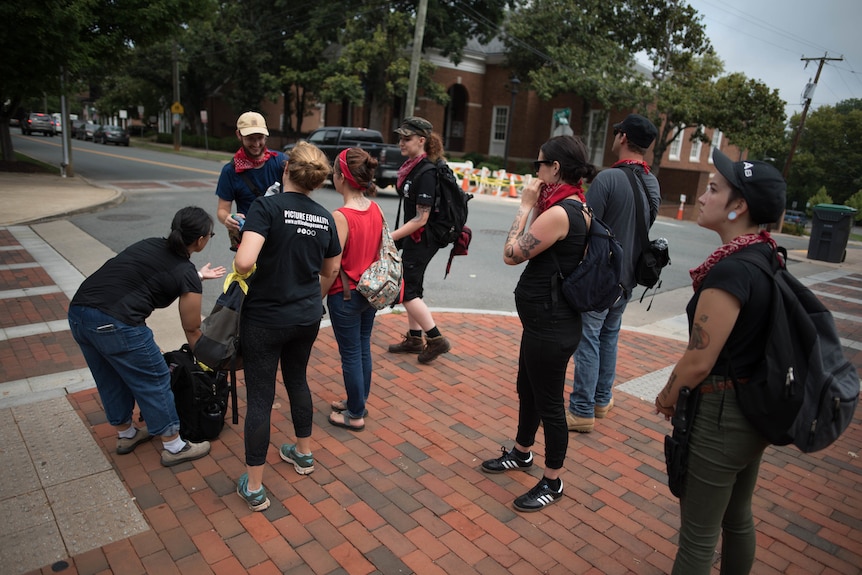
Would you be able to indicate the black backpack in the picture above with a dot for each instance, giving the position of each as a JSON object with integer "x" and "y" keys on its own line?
{"x": 449, "y": 214}
{"x": 595, "y": 284}
{"x": 806, "y": 391}
{"x": 200, "y": 395}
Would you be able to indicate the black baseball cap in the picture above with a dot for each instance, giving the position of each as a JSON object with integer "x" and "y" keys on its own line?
{"x": 414, "y": 125}
{"x": 762, "y": 186}
{"x": 638, "y": 129}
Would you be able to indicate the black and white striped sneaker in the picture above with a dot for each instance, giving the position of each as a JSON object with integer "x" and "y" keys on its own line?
{"x": 538, "y": 497}
{"x": 507, "y": 462}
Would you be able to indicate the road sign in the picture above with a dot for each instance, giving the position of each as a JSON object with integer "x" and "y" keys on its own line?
{"x": 203, "y": 117}
{"x": 177, "y": 108}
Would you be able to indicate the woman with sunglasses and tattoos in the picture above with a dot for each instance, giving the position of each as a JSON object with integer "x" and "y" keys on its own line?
{"x": 552, "y": 243}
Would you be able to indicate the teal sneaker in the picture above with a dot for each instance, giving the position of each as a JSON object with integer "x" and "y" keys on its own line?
{"x": 257, "y": 501}
{"x": 304, "y": 464}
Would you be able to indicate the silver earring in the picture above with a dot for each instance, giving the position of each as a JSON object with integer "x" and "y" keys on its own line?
{"x": 732, "y": 216}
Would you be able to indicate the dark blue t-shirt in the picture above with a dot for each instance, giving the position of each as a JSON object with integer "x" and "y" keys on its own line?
{"x": 233, "y": 187}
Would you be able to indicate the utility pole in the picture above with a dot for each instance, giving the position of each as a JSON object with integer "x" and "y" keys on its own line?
{"x": 809, "y": 95}
{"x": 176, "y": 82}
{"x": 418, "y": 36}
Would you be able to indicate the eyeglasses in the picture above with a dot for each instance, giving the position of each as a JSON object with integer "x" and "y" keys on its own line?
{"x": 538, "y": 164}
{"x": 617, "y": 131}
{"x": 212, "y": 234}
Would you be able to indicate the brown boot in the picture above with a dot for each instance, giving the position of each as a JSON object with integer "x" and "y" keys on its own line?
{"x": 410, "y": 344}
{"x": 434, "y": 346}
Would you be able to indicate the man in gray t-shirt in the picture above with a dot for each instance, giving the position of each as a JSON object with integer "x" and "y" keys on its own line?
{"x": 612, "y": 198}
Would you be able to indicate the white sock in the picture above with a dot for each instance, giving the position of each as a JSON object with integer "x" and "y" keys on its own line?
{"x": 128, "y": 433}
{"x": 174, "y": 446}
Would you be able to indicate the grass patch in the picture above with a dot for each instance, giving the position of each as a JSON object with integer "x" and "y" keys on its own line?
{"x": 27, "y": 165}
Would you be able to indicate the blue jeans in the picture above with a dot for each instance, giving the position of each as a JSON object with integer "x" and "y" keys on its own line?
{"x": 723, "y": 462}
{"x": 127, "y": 366}
{"x": 596, "y": 359}
{"x": 352, "y": 322}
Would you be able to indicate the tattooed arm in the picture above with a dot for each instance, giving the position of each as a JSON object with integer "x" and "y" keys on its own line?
{"x": 550, "y": 227}
{"x": 714, "y": 318}
{"x": 410, "y": 226}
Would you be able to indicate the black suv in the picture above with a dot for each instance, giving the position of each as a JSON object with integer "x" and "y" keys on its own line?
{"x": 38, "y": 122}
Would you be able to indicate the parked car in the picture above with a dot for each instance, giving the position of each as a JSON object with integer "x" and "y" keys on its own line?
{"x": 86, "y": 130}
{"x": 332, "y": 139}
{"x": 38, "y": 122}
{"x": 58, "y": 121}
{"x": 113, "y": 134}
{"x": 795, "y": 217}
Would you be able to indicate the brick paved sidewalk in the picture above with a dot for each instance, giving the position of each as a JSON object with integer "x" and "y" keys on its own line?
{"x": 406, "y": 495}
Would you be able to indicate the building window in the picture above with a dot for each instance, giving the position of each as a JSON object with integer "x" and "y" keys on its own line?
{"x": 696, "y": 147}
{"x": 716, "y": 143}
{"x": 501, "y": 121}
{"x": 675, "y": 146}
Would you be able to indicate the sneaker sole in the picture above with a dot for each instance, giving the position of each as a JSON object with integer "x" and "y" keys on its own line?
{"x": 259, "y": 507}
{"x": 495, "y": 471}
{"x": 296, "y": 466}
{"x": 533, "y": 510}
{"x": 184, "y": 459}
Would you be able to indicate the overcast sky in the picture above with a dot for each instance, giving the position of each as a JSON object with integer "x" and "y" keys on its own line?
{"x": 766, "y": 39}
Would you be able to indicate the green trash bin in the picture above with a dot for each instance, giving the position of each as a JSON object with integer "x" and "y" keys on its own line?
{"x": 830, "y": 231}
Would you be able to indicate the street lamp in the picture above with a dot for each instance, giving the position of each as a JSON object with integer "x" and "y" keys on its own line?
{"x": 514, "y": 82}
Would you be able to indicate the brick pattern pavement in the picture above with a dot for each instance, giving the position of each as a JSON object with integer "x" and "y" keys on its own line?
{"x": 407, "y": 496}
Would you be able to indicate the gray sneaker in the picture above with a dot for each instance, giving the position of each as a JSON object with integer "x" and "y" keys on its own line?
{"x": 128, "y": 445}
{"x": 304, "y": 464}
{"x": 190, "y": 452}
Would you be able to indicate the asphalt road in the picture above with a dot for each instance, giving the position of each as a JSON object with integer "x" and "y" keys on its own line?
{"x": 479, "y": 280}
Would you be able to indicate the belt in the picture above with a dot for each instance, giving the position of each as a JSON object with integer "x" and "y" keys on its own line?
{"x": 714, "y": 383}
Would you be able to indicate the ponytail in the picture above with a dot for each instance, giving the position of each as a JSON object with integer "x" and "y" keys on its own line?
{"x": 188, "y": 225}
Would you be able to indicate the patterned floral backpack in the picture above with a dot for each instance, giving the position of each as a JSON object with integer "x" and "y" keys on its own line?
{"x": 382, "y": 284}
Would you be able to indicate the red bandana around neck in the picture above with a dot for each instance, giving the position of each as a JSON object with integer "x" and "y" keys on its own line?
{"x": 550, "y": 194}
{"x": 242, "y": 162}
{"x": 642, "y": 164}
{"x": 407, "y": 167}
{"x": 698, "y": 274}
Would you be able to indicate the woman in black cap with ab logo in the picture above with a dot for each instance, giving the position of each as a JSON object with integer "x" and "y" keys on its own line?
{"x": 728, "y": 317}
{"x": 417, "y": 182}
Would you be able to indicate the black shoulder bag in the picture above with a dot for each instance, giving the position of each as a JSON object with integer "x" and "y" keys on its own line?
{"x": 654, "y": 254}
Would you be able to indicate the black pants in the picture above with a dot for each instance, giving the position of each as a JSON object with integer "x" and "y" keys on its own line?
{"x": 262, "y": 348}
{"x": 550, "y": 337}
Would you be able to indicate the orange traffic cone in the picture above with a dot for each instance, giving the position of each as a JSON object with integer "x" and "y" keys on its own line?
{"x": 513, "y": 193}
{"x": 465, "y": 181}
{"x": 681, "y": 211}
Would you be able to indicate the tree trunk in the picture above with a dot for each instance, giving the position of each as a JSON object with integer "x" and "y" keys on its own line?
{"x": 6, "y": 140}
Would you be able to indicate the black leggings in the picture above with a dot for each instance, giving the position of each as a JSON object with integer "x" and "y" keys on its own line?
{"x": 550, "y": 337}
{"x": 262, "y": 348}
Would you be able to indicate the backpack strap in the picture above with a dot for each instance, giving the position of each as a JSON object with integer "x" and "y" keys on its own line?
{"x": 643, "y": 236}
{"x": 557, "y": 278}
{"x": 248, "y": 182}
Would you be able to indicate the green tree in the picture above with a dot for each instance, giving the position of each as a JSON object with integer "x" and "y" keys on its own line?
{"x": 855, "y": 201}
{"x": 828, "y": 154}
{"x": 749, "y": 113}
{"x": 75, "y": 36}
{"x": 820, "y": 197}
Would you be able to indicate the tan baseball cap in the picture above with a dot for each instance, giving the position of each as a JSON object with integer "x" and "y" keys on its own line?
{"x": 251, "y": 123}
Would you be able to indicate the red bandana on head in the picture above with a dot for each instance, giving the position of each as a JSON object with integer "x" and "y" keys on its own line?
{"x": 698, "y": 274}
{"x": 242, "y": 162}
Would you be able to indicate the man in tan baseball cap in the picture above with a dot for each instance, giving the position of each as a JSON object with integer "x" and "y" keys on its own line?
{"x": 254, "y": 170}
{"x": 251, "y": 123}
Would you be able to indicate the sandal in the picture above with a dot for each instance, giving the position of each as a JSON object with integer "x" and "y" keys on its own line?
{"x": 342, "y": 420}
{"x": 341, "y": 405}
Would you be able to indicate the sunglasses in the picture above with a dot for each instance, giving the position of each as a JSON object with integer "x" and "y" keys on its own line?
{"x": 617, "y": 131}
{"x": 212, "y": 234}
{"x": 538, "y": 164}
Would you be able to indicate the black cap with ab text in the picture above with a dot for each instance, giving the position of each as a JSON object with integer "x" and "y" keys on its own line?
{"x": 414, "y": 125}
{"x": 761, "y": 185}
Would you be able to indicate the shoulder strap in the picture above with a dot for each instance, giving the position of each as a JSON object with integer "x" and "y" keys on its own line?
{"x": 248, "y": 182}
{"x": 639, "y": 209}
